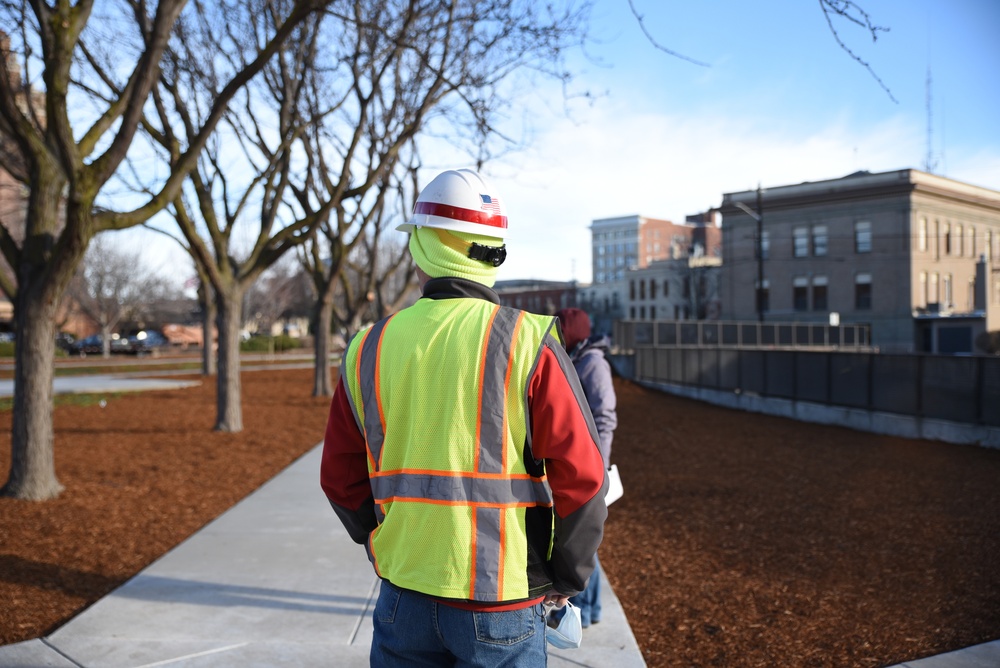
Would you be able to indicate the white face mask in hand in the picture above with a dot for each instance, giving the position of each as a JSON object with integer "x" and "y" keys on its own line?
{"x": 569, "y": 633}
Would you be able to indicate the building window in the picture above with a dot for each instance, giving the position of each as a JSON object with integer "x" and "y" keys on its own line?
{"x": 642, "y": 312}
{"x": 863, "y": 237}
{"x": 631, "y": 289}
{"x": 863, "y": 292}
{"x": 819, "y": 240}
{"x": 946, "y": 239}
{"x": 652, "y": 289}
{"x": 800, "y": 242}
{"x": 970, "y": 236}
{"x": 932, "y": 292}
{"x": 959, "y": 239}
{"x": 631, "y": 312}
{"x": 666, "y": 288}
{"x": 922, "y": 290}
{"x": 946, "y": 288}
{"x": 652, "y": 311}
{"x": 819, "y": 299}
{"x": 922, "y": 235}
{"x": 642, "y": 288}
{"x": 800, "y": 293}
{"x": 987, "y": 240}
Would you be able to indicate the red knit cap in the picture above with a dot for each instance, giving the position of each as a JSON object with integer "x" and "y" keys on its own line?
{"x": 575, "y": 325}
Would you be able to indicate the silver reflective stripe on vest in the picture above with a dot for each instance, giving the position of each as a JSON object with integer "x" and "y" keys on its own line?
{"x": 494, "y": 394}
{"x": 486, "y": 579}
{"x": 461, "y": 489}
{"x": 373, "y": 419}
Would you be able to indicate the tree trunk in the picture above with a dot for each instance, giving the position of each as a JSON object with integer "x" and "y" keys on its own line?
{"x": 208, "y": 316}
{"x": 105, "y": 341}
{"x": 32, "y": 468}
{"x": 229, "y": 411}
{"x": 321, "y": 376}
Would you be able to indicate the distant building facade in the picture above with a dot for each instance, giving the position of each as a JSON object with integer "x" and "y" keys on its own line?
{"x": 634, "y": 242}
{"x": 537, "y": 296}
{"x": 914, "y": 254}
{"x": 650, "y": 268}
{"x": 685, "y": 288}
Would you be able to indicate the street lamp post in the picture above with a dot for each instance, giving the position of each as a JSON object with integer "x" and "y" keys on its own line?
{"x": 759, "y": 246}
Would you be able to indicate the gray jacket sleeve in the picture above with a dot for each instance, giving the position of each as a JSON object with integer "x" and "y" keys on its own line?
{"x": 595, "y": 377}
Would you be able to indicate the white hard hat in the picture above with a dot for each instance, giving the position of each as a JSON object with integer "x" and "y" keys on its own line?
{"x": 460, "y": 201}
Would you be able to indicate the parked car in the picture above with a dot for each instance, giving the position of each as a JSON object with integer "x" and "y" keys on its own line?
{"x": 146, "y": 341}
{"x": 66, "y": 342}
{"x": 94, "y": 345}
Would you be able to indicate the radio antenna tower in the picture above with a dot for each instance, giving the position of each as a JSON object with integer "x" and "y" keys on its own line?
{"x": 930, "y": 164}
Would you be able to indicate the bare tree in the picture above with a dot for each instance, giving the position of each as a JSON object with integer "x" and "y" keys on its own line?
{"x": 234, "y": 214}
{"x": 111, "y": 285}
{"x": 95, "y": 72}
{"x": 391, "y": 75}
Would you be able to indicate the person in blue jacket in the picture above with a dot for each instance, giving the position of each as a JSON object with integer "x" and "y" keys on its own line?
{"x": 588, "y": 355}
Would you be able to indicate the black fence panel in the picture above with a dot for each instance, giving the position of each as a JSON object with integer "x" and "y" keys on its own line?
{"x": 689, "y": 333}
{"x": 949, "y": 388}
{"x": 691, "y": 372}
{"x": 643, "y": 333}
{"x": 989, "y": 395}
{"x": 708, "y": 367}
{"x": 662, "y": 367}
{"x": 896, "y": 384}
{"x": 645, "y": 363}
{"x": 729, "y": 369}
{"x": 849, "y": 379}
{"x": 811, "y": 379}
{"x": 780, "y": 374}
{"x": 730, "y": 334}
{"x": 752, "y": 371}
{"x": 710, "y": 335}
{"x": 676, "y": 366}
{"x": 667, "y": 332}
{"x": 786, "y": 335}
{"x": 750, "y": 334}
{"x": 802, "y": 335}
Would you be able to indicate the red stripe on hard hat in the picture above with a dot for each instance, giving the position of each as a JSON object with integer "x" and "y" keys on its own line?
{"x": 457, "y": 213}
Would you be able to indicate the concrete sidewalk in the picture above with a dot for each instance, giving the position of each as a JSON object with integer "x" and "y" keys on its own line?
{"x": 274, "y": 581}
{"x": 98, "y": 383}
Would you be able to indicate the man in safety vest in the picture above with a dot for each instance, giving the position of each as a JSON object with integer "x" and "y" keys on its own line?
{"x": 461, "y": 452}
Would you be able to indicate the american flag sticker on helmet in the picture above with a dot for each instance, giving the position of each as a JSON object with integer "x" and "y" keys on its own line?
{"x": 491, "y": 204}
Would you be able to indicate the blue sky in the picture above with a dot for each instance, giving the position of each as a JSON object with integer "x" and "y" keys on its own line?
{"x": 779, "y": 103}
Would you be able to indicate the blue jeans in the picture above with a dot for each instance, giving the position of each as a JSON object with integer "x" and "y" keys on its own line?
{"x": 589, "y": 600}
{"x": 414, "y": 630}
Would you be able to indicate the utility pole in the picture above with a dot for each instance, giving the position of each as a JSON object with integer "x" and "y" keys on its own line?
{"x": 760, "y": 257}
{"x": 758, "y": 247}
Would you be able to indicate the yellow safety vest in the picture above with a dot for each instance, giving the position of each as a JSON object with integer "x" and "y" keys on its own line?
{"x": 439, "y": 391}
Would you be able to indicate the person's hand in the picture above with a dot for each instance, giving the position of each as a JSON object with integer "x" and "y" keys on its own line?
{"x": 556, "y": 599}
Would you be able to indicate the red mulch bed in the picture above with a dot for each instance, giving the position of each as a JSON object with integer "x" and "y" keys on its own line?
{"x": 742, "y": 540}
